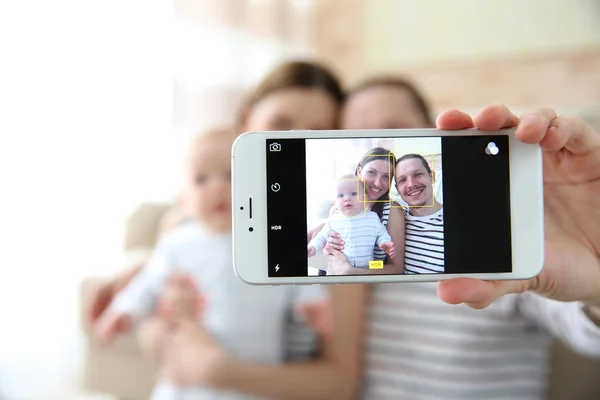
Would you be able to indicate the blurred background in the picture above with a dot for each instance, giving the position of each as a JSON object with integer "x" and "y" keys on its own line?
{"x": 97, "y": 99}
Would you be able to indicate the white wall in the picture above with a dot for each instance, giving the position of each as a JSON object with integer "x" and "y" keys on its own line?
{"x": 411, "y": 32}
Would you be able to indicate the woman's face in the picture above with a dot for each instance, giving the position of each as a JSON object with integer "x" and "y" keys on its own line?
{"x": 382, "y": 107}
{"x": 293, "y": 109}
{"x": 376, "y": 175}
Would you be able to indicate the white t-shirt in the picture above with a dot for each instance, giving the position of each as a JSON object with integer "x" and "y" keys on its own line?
{"x": 247, "y": 321}
{"x": 360, "y": 233}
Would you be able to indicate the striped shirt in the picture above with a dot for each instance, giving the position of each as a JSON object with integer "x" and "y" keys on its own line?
{"x": 360, "y": 233}
{"x": 424, "y": 244}
{"x": 420, "y": 348}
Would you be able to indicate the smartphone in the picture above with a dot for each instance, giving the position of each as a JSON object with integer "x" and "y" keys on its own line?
{"x": 408, "y": 204}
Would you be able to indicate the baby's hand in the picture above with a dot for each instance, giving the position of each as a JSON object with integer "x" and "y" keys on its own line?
{"x": 311, "y": 251}
{"x": 389, "y": 248}
{"x": 180, "y": 299}
{"x": 111, "y": 324}
{"x": 319, "y": 316}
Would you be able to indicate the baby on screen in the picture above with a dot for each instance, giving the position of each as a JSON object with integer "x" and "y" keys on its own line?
{"x": 360, "y": 228}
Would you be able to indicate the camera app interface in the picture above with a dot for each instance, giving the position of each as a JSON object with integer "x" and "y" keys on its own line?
{"x": 418, "y": 205}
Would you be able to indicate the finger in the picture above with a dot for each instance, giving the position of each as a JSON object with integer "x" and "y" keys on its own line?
{"x": 165, "y": 310}
{"x": 123, "y": 324}
{"x": 571, "y": 133}
{"x": 533, "y": 125}
{"x": 337, "y": 240}
{"x": 477, "y": 293}
{"x": 175, "y": 279}
{"x": 494, "y": 117}
{"x": 100, "y": 303}
{"x": 188, "y": 309}
{"x": 333, "y": 247}
{"x": 106, "y": 330}
{"x": 337, "y": 243}
{"x": 181, "y": 280}
{"x": 453, "y": 119}
{"x": 200, "y": 305}
{"x": 190, "y": 282}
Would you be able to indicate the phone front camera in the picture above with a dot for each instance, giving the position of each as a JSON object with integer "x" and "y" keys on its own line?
{"x": 251, "y": 229}
{"x": 241, "y": 208}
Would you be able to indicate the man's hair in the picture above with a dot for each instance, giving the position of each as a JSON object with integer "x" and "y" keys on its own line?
{"x": 400, "y": 84}
{"x": 417, "y": 156}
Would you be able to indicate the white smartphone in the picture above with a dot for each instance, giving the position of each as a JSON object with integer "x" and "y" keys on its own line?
{"x": 453, "y": 203}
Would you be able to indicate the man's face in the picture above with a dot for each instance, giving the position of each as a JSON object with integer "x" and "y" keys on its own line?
{"x": 414, "y": 183}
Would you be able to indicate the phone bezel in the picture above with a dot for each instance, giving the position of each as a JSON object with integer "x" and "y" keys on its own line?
{"x": 249, "y": 182}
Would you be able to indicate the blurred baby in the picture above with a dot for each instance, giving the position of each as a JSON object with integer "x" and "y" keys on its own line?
{"x": 248, "y": 322}
{"x": 360, "y": 228}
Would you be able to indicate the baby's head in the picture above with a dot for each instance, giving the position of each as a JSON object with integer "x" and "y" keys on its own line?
{"x": 349, "y": 194}
{"x": 207, "y": 187}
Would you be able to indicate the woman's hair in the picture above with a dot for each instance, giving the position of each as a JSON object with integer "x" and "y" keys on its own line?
{"x": 397, "y": 83}
{"x": 417, "y": 156}
{"x": 293, "y": 74}
{"x": 379, "y": 153}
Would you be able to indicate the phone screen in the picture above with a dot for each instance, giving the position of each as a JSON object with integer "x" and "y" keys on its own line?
{"x": 440, "y": 205}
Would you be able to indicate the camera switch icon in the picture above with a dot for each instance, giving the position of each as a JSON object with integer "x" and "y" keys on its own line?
{"x": 276, "y": 187}
{"x": 275, "y": 147}
{"x": 491, "y": 149}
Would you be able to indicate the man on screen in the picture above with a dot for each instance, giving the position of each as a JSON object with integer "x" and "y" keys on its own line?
{"x": 424, "y": 240}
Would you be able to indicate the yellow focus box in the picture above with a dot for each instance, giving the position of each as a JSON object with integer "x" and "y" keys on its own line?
{"x": 378, "y": 264}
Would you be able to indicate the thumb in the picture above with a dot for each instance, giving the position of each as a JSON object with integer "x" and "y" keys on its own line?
{"x": 476, "y": 293}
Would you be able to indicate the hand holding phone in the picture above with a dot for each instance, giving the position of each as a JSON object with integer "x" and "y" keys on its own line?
{"x": 571, "y": 173}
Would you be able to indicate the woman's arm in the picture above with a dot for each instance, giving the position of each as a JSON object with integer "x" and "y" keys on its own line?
{"x": 396, "y": 229}
{"x": 337, "y": 374}
{"x": 310, "y": 235}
